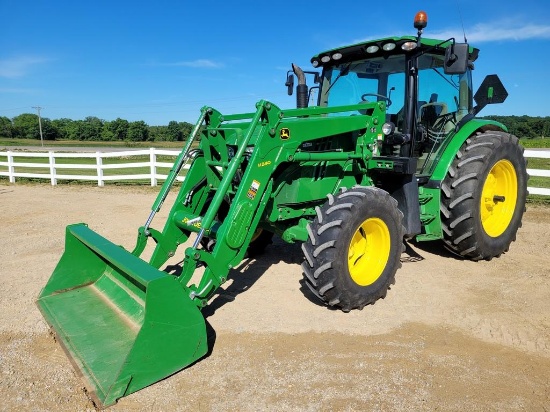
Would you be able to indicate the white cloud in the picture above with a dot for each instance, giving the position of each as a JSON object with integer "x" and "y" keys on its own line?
{"x": 19, "y": 66}
{"x": 483, "y": 32}
{"x": 199, "y": 63}
{"x": 497, "y": 31}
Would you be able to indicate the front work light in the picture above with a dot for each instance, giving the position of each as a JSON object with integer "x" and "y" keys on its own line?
{"x": 409, "y": 45}
{"x": 388, "y": 128}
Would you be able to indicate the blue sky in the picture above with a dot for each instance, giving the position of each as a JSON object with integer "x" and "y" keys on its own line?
{"x": 163, "y": 60}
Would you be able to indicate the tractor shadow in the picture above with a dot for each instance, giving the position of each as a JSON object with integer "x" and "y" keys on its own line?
{"x": 249, "y": 271}
{"x": 410, "y": 255}
{"x": 413, "y": 251}
{"x": 241, "y": 279}
{"x": 312, "y": 297}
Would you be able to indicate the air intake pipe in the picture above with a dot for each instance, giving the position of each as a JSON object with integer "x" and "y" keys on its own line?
{"x": 301, "y": 88}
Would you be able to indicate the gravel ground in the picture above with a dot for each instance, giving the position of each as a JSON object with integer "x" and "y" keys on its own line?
{"x": 451, "y": 334}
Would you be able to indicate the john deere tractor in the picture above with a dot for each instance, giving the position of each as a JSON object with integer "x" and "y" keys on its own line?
{"x": 390, "y": 151}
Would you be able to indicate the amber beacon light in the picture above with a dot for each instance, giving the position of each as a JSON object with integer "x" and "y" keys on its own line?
{"x": 420, "y": 20}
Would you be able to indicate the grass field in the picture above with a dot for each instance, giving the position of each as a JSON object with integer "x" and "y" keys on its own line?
{"x": 94, "y": 143}
{"x": 533, "y": 163}
{"x": 536, "y": 143}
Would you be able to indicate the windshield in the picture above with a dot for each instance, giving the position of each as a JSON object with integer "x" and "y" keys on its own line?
{"x": 383, "y": 79}
{"x": 365, "y": 80}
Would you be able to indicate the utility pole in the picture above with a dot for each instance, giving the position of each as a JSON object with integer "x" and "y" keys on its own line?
{"x": 38, "y": 108}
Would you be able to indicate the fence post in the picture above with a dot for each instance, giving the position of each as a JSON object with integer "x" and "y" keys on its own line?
{"x": 11, "y": 168}
{"x": 51, "y": 156}
{"x": 152, "y": 161}
{"x": 99, "y": 164}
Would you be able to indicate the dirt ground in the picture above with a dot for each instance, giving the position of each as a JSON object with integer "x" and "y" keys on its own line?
{"x": 451, "y": 335}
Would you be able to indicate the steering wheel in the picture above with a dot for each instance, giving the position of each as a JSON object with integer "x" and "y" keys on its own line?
{"x": 386, "y": 98}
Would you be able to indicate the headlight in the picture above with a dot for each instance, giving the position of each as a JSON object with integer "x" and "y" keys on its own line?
{"x": 409, "y": 45}
{"x": 388, "y": 128}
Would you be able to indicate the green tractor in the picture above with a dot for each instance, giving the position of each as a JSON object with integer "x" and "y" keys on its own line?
{"x": 391, "y": 151}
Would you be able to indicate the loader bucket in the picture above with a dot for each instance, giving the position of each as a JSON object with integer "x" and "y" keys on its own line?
{"x": 123, "y": 323}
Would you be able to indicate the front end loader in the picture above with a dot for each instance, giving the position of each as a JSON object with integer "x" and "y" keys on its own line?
{"x": 391, "y": 151}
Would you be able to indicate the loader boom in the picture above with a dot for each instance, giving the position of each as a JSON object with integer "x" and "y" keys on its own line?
{"x": 262, "y": 148}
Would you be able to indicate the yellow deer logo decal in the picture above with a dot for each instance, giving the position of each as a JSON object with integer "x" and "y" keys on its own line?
{"x": 285, "y": 133}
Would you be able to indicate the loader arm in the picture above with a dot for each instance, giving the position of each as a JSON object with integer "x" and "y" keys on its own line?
{"x": 245, "y": 180}
{"x": 125, "y": 323}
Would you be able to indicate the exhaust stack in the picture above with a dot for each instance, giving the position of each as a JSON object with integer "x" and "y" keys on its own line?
{"x": 301, "y": 88}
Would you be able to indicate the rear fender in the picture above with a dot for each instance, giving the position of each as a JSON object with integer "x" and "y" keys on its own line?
{"x": 456, "y": 141}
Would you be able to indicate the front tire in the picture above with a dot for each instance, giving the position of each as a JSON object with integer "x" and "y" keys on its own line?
{"x": 354, "y": 248}
{"x": 483, "y": 196}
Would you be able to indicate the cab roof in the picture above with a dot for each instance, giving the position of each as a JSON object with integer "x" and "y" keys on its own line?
{"x": 385, "y": 47}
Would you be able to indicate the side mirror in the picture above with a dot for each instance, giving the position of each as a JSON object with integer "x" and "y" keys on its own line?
{"x": 491, "y": 91}
{"x": 290, "y": 83}
{"x": 456, "y": 58}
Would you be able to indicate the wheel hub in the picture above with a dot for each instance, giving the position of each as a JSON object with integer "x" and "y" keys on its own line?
{"x": 369, "y": 251}
{"x": 498, "y": 198}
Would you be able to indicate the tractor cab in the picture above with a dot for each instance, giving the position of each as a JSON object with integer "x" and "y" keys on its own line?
{"x": 424, "y": 100}
{"x": 425, "y": 85}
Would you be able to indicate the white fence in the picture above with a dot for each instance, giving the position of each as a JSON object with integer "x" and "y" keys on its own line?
{"x": 97, "y": 170}
{"x": 538, "y": 154}
{"x": 152, "y": 165}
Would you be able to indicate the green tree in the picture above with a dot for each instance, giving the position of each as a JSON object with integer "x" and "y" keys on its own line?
{"x": 65, "y": 129}
{"x": 6, "y": 127}
{"x": 138, "y": 131}
{"x": 91, "y": 128}
{"x": 119, "y": 128}
{"x": 106, "y": 132}
{"x": 174, "y": 131}
{"x": 158, "y": 133}
{"x": 25, "y": 126}
{"x": 49, "y": 132}
{"x": 186, "y": 129}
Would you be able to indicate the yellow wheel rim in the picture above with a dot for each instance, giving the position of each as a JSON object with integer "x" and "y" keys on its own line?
{"x": 498, "y": 198}
{"x": 369, "y": 250}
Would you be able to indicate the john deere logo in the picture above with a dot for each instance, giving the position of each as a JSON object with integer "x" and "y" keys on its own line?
{"x": 285, "y": 133}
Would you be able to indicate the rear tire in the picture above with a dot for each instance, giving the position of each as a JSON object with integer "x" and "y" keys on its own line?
{"x": 483, "y": 196}
{"x": 354, "y": 248}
